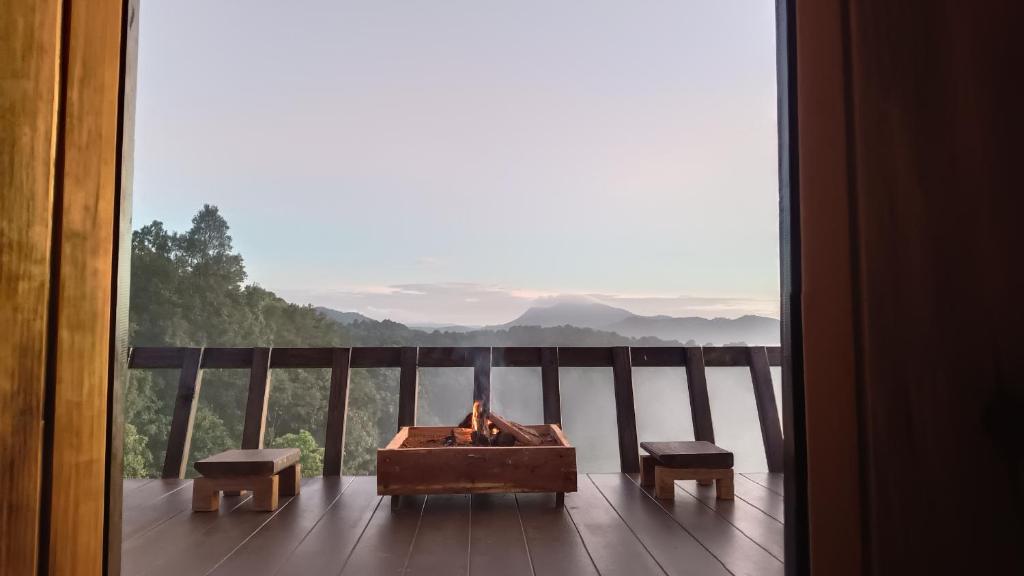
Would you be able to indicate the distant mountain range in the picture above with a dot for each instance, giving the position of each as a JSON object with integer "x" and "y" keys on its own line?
{"x": 343, "y": 317}
{"x": 750, "y": 330}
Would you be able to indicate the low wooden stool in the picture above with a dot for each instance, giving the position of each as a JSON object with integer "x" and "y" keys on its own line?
{"x": 700, "y": 461}
{"x": 267, "y": 473}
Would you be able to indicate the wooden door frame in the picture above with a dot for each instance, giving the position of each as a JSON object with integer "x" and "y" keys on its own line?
{"x": 797, "y": 528}
{"x": 796, "y": 545}
{"x": 801, "y": 323}
{"x": 120, "y": 281}
{"x": 66, "y": 68}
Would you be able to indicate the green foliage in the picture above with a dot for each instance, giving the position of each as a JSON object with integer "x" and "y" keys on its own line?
{"x": 312, "y": 453}
{"x": 137, "y": 458}
{"x": 188, "y": 289}
{"x": 209, "y": 436}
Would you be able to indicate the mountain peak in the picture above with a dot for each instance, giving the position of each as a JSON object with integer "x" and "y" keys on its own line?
{"x": 573, "y": 312}
{"x": 343, "y": 317}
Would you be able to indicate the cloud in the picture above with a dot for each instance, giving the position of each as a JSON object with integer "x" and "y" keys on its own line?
{"x": 667, "y": 305}
{"x": 471, "y": 304}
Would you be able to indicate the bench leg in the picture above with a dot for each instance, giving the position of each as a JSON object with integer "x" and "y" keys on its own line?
{"x": 205, "y": 495}
{"x": 291, "y": 480}
{"x": 396, "y": 502}
{"x": 559, "y": 499}
{"x": 706, "y": 482}
{"x": 664, "y": 483}
{"x": 264, "y": 493}
{"x": 647, "y": 465}
{"x": 724, "y": 487}
{"x": 664, "y": 480}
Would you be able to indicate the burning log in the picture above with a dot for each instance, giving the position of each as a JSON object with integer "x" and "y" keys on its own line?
{"x": 521, "y": 434}
{"x": 478, "y": 424}
{"x": 484, "y": 428}
{"x": 462, "y": 436}
{"x": 502, "y": 439}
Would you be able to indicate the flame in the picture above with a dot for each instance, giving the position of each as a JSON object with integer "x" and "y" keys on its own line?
{"x": 475, "y": 422}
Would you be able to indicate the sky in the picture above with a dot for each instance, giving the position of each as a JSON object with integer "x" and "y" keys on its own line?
{"x": 457, "y": 161}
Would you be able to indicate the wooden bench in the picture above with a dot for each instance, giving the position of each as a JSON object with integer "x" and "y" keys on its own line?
{"x": 700, "y": 461}
{"x": 267, "y": 473}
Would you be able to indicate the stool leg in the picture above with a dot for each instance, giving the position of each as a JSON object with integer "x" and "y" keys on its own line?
{"x": 264, "y": 493}
{"x": 205, "y": 497}
{"x": 664, "y": 483}
{"x": 724, "y": 487}
{"x": 647, "y": 464}
{"x": 291, "y": 479}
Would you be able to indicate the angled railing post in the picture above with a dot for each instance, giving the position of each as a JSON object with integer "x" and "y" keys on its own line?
{"x": 549, "y": 386}
{"x": 700, "y": 404}
{"x": 408, "y": 384}
{"x": 625, "y": 411}
{"x": 337, "y": 411}
{"x": 255, "y": 424}
{"x": 186, "y": 401}
{"x": 767, "y": 408}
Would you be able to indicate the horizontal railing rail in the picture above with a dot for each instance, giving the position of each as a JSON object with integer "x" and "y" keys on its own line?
{"x": 621, "y": 359}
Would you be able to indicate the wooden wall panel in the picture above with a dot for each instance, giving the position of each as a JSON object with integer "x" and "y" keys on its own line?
{"x": 122, "y": 263}
{"x": 88, "y": 185}
{"x": 937, "y": 123}
{"x": 59, "y": 135}
{"x": 910, "y": 210}
{"x": 830, "y": 392}
{"x": 29, "y": 48}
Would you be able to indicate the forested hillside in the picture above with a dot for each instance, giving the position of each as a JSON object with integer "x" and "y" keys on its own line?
{"x": 190, "y": 289}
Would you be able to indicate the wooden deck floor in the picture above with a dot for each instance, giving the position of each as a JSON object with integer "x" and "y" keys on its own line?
{"x": 340, "y": 526}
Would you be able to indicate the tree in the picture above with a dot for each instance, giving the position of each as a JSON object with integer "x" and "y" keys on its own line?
{"x": 137, "y": 458}
{"x": 188, "y": 289}
{"x": 312, "y": 453}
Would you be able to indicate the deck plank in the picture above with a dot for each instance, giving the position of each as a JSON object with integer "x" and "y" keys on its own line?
{"x": 741, "y": 554}
{"x": 497, "y": 543}
{"x": 675, "y": 549}
{"x": 133, "y": 483}
{"x": 183, "y": 531}
{"x": 144, "y": 516}
{"x": 770, "y": 480}
{"x": 268, "y": 548}
{"x": 384, "y": 547}
{"x": 616, "y": 551}
{"x": 152, "y": 491}
{"x": 763, "y": 529}
{"x": 339, "y": 525}
{"x": 218, "y": 540}
{"x": 555, "y": 545}
{"x": 441, "y": 547}
{"x": 329, "y": 543}
{"x": 760, "y": 497}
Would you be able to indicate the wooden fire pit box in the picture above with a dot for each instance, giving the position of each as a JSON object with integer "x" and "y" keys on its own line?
{"x": 416, "y": 461}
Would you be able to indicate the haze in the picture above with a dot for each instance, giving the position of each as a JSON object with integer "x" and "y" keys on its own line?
{"x": 453, "y": 161}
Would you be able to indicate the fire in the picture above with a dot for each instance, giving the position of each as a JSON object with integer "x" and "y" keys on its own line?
{"x": 481, "y": 427}
{"x": 475, "y": 422}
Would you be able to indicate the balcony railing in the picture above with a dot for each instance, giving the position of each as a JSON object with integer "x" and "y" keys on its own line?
{"x": 621, "y": 359}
